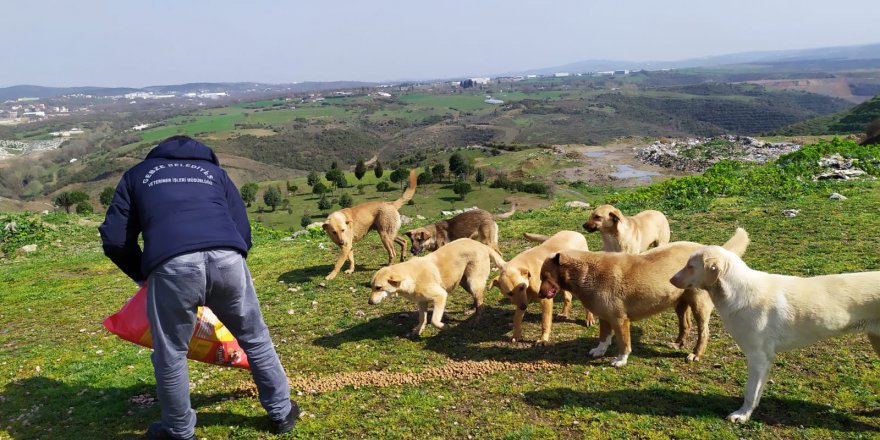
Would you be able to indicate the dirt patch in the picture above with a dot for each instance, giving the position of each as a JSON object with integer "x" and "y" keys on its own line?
{"x": 614, "y": 164}
{"x": 451, "y": 371}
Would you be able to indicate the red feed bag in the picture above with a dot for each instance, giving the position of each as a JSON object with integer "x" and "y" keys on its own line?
{"x": 211, "y": 342}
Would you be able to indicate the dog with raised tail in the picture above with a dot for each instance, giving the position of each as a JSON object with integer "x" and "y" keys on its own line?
{"x": 349, "y": 225}
{"x": 767, "y": 314}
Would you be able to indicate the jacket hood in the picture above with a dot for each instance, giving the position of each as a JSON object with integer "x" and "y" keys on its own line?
{"x": 182, "y": 147}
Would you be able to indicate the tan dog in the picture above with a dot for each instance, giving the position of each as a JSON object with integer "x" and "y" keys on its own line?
{"x": 475, "y": 224}
{"x": 349, "y": 225}
{"x": 767, "y": 313}
{"x": 631, "y": 235}
{"x": 431, "y": 278}
{"x": 520, "y": 280}
{"x": 620, "y": 288}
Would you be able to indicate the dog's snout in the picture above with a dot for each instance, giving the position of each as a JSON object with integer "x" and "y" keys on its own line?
{"x": 370, "y": 302}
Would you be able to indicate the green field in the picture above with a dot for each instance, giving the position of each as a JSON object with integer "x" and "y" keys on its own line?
{"x": 63, "y": 376}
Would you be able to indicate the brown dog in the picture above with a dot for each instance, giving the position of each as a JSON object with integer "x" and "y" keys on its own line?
{"x": 520, "y": 280}
{"x": 348, "y": 226}
{"x": 628, "y": 234}
{"x": 620, "y": 288}
{"x": 431, "y": 278}
{"x": 475, "y": 224}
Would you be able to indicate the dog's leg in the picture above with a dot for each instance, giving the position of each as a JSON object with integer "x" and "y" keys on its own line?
{"x": 423, "y": 319}
{"x": 476, "y": 290}
{"x": 546, "y": 321}
{"x": 683, "y": 310}
{"x": 518, "y": 313}
{"x": 388, "y": 244}
{"x": 875, "y": 342}
{"x": 343, "y": 256}
{"x": 759, "y": 366}
{"x": 402, "y": 242}
{"x": 439, "y": 307}
{"x": 621, "y": 331}
{"x": 604, "y": 339}
{"x": 350, "y": 261}
{"x": 566, "y": 306}
{"x": 702, "y": 309}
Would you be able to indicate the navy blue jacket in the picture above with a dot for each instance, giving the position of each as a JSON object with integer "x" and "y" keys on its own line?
{"x": 181, "y": 201}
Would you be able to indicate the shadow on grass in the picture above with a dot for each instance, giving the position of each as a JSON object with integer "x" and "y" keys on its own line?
{"x": 317, "y": 273}
{"x": 44, "y": 408}
{"x": 463, "y": 339}
{"x": 673, "y": 403}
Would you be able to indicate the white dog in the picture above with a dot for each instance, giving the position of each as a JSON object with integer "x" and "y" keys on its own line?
{"x": 767, "y": 313}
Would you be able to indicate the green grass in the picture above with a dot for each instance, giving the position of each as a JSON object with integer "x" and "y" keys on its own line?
{"x": 63, "y": 376}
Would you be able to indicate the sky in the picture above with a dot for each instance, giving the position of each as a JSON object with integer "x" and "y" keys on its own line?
{"x": 115, "y": 43}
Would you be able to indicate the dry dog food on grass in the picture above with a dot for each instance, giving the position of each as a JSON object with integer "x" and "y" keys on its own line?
{"x": 453, "y": 370}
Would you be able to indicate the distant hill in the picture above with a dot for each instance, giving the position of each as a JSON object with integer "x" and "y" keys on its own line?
{"x": 854, "y": 120}
{"x": 829, "y": 57}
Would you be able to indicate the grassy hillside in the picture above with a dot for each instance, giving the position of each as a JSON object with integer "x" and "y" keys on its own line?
{"x": 854, "y": 120}
{"x": 358, "y": 376}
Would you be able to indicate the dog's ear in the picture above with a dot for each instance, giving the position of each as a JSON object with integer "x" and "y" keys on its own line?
{"x": 394, "y": 280}
{"x": 409, "y": 234}
{"x": 711, "y": 270}
{"x": 525, "y": 273}
{"x": 559, "y": 258}
{"x": 326, "y": 226}
{"x": 615, "y": 215}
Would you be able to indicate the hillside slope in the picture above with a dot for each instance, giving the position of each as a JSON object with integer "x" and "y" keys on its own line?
{"x": 854, "y": 120}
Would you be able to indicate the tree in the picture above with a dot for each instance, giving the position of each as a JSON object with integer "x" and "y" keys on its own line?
{"x": 345, "y": 200}
{"x": 360, "y": 169}
{"x": 84, "y": 208}
{"x": 457, "y": 164}
{"x": 249, "y": 193}
{"x": 425, "y": 178}
{"x": 461, "y": 188}
{"x": 319, "y": 188}
{"x": 378, "y": 171}
{"x": 313, "y": 178}
{"x": 337, "y": 177}
{"x": 70, "y": 198}
{"x": 480, "y": 177}
{"x": 106, "y": 196}
{"x": 272, "y": 197}
{"x": 325, "y": 203}
{"x": 305, "y": 220}
{"x": 399, "y": 176}
{"x": 291, "y": 188}
{"x": 383, "y": 186}
{"x": 334, "y": 165}
{"x": 438, "y": 171}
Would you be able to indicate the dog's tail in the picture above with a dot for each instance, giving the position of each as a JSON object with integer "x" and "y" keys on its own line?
{"x": 496, "y": 258}
{"x": 410, "y": 190}
{"x": 738, "y": 243}
{"x": 538, "y": 238}
{"x": 506, "y": 214}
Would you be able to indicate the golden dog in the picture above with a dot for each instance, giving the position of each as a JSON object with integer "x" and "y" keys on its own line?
{"x": 628, "y": 234}
{"x": 520, "y": 281}
{"x": 433, "y": 277}
{"x": 349, "y": 225}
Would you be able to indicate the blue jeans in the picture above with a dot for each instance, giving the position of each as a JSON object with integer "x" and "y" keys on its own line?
{"x": 218, "y": 279}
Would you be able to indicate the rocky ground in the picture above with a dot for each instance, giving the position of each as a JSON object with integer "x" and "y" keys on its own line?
{"x": 698, "y": 154}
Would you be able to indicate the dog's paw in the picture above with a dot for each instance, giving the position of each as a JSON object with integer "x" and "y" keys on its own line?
{"x": 693, "y": 358}
{"x": 619, "y": 361}
{"x": 542, "y": 343}
{"x": 598, "y": 352}
{"x": 330, "y": 277}
{"x": 739, "y": 416}
{"x": 591, "y": 321}
{"x": 674, "y": 345}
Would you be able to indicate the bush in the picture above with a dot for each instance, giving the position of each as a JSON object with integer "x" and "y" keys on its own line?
{"x": 84, "y": 208}
{"x": 383, "y": 186}
{"x": 345, "y": 200}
